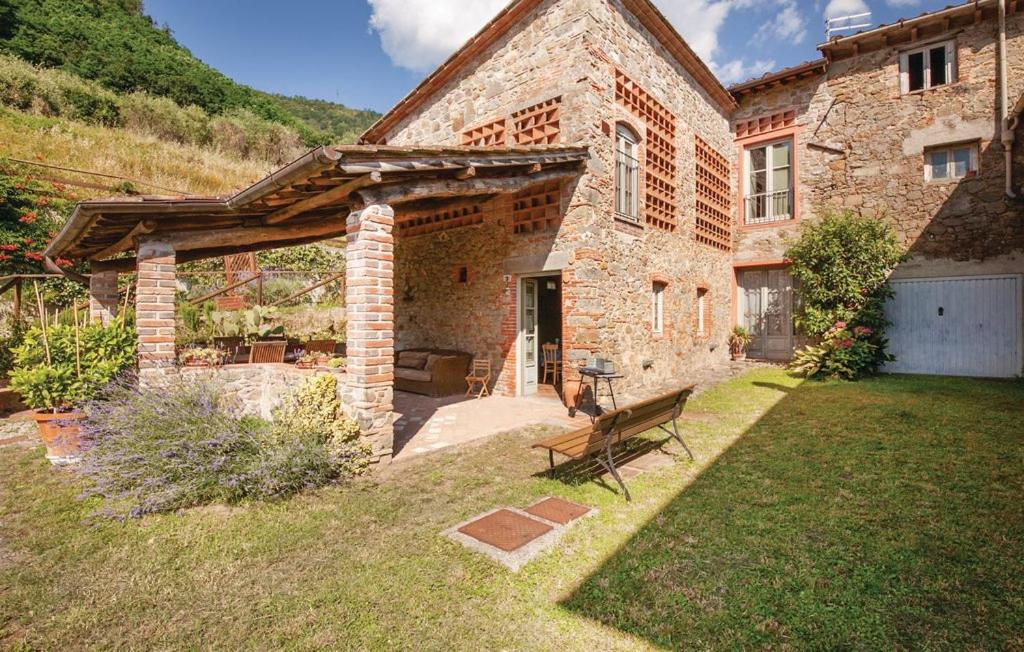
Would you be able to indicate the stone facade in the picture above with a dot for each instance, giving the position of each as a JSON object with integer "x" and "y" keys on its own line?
{"x": 570, "y": 50}
{"x": 860, "y": 145}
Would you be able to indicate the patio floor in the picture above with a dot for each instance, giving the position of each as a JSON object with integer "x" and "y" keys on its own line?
{"x": 424, "y": 424}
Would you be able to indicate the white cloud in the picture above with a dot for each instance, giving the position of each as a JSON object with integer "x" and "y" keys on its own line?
{"x": 786, "y": 27}
{"x": 837, "y": 8}
{"x": 739, "y": 70}
{"x": 420, "y": 34}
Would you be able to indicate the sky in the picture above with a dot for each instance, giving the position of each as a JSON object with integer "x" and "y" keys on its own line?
{"x": 371, "y": 53}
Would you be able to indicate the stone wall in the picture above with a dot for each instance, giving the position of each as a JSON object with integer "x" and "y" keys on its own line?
{"x": 258, "y": 388}
{"x": 860, "y": 146}
{"x": 570, "y": 49}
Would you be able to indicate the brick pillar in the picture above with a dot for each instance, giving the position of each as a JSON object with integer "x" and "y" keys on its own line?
{"x": 103, "y": 298}
{"x": 370, "y": 313}
{"x": 154, "y": 309}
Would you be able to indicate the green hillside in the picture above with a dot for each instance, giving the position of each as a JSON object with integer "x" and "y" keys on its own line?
{"x": 114, "y": 43}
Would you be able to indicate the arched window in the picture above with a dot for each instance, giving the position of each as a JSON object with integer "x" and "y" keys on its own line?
{"x": 627, "y": 173}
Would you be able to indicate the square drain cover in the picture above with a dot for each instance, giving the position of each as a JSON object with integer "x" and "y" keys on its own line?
{"x": 505, "y": 530}
{"x": 558, "y": 510}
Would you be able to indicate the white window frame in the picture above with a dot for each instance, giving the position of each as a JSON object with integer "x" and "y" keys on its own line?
{"x": 973, "y": 165}
{"x": 658, "y": 289}
{"x": 925, "y": 51}
{"x": 627, "y": 173}
{"x": 769, "y": 181}
{"x": 702, "y": 294}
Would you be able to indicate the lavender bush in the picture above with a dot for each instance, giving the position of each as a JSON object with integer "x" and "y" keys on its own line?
{"x": 186, "y": 444}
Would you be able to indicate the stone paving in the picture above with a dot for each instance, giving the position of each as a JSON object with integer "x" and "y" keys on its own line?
{"x": 424, "y": 424}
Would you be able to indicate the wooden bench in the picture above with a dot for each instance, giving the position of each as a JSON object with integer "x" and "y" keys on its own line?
{"x": 615, "y": 427}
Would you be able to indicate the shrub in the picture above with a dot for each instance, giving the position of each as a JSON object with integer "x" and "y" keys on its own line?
{"x": 187, "y": 444}
{"x": 844, "y": 352}
{"x": 842, "y": 264}
{"x": 9, "y": 341}
{"x": 65, "y": 366}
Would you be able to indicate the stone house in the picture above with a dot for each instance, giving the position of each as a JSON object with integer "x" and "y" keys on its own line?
{"x": 576, "y": 176}
{"x": 902, "y": 123}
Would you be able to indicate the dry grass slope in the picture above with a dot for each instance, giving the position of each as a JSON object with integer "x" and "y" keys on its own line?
{"x": 185, "y": 168}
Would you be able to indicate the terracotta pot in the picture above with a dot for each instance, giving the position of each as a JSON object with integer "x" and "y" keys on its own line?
{"x": 60, "y": 432}
{"x": 569, "y": 390}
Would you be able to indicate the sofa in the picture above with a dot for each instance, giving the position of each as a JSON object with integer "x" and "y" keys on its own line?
{"x": 432, "y": 372}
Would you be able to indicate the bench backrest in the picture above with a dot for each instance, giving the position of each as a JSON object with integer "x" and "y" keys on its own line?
{"x": 266, "y": 352}
{"x": 632, "y": 420}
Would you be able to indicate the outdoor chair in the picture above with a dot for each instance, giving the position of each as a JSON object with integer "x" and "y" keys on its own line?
{"x": 267, "y": 352}
{"x": 480, "y": 374}
{"x": 613, "y": 428}
{"x": 552, "y": 363}
{"x": 325, "y": 347}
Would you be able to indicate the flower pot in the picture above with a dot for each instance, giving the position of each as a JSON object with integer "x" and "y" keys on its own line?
{"x": 60, "y": 432}
{"x": 305, "y": 365}
{"x": 742, "y": 355}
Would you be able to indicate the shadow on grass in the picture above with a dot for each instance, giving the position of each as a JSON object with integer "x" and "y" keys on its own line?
{"x": 579, "y": 472}
{"x": 838, "y": 522}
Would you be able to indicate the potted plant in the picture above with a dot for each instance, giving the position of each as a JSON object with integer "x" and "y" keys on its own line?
{"x": 739, "y": 340}
{"x": 201, "y": 357}
{"x": 337, "y": 364}
{"x": 59, "y": 367}
{"x": 307, "y": 360}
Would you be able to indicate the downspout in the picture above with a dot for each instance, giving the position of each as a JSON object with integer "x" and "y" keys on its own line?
{"x": 1009, "y": 121}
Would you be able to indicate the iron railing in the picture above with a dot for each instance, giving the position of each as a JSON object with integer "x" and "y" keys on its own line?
{"x": 768, "y": 207}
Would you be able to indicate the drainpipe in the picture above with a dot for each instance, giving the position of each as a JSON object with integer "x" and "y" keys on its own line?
{"x": 1008, "y": 122}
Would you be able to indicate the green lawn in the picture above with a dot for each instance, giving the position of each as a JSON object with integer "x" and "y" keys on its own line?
{"x": 881, "y": 515}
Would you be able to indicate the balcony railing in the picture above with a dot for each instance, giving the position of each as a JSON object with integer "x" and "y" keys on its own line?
{"x": 768, "y": 207}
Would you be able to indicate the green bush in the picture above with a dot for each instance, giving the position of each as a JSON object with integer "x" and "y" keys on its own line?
{"x": 844, "y": 352}
{"x": 65, "y": 366}
{"x": 9, "y": 341}
{"x": 186, "y": 444}
{"x": 842, "y": 265}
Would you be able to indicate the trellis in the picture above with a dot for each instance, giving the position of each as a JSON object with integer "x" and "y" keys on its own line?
{"x": 492, "y": 133}
{"x": 660, "y": 188}
{"x": 713, "y": 198}
{"x": 538, "y": 124}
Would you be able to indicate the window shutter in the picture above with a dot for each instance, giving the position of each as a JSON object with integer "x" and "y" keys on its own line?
{"x": 904, "y": 75}
{"x": 951, "y": 67}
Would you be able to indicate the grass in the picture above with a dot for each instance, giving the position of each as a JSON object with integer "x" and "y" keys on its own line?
{"x": 880, "y": 515}
{"x": 185, "y": 168}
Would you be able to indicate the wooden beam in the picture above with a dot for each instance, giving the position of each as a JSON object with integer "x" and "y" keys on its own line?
{"x": 116, "y": 265}
{"x": 467, "y": 173}
{"x": 334, "y": 195}
{"x": 307, "y": 290}
{"x": 244, "y": 237}
{"x": 129, "y": 241}
{"x": 404, "y": 192}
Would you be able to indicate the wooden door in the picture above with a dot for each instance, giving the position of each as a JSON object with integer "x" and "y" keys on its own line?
{"x": 766, "y": 309}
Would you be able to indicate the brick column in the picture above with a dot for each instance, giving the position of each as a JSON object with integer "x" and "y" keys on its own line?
{"x": 370, "y": 313}
{"x": 154, "y": 309}
{"x": 103, "y": 297}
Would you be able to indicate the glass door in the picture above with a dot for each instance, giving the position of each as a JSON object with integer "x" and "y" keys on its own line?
{"x": 766, "y": 310}
{"x": 530, "y": 338}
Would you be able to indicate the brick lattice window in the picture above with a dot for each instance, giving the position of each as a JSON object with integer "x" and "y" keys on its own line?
{"x": 765, "y": 124}
{"x": 492, "y": 133}
{"x": 660, "y": 189}
{"x": 538, "y": 208}
{"x": 713, "y": 201}
{"x": 539, "y": 124}
{"x": 452, "y": 218}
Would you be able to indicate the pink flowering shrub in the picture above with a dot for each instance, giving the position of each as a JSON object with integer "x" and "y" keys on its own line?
{"x": 844, "y": 352}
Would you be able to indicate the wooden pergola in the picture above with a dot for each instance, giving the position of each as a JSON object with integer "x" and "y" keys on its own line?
{"x": 365, "y": 193}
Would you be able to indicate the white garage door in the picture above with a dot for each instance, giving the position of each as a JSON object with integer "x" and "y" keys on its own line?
{"x": 968, "y": 326}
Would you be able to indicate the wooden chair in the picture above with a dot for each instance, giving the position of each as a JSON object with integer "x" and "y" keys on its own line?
{"x": 612, "y": 428}
{"x": 552, "y": 363}
{"x": 325, "y": 347}
{"x": 267, "y": 352}
{"x": 480, "y": 374}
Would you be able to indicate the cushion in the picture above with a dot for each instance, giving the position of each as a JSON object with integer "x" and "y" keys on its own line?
{"x": 433, "y": 359}
{"x": 417, "y": 375}
{"x": 412, "y": 359}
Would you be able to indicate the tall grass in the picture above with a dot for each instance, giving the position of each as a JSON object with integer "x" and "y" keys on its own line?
{"x": 55, "y": 93}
